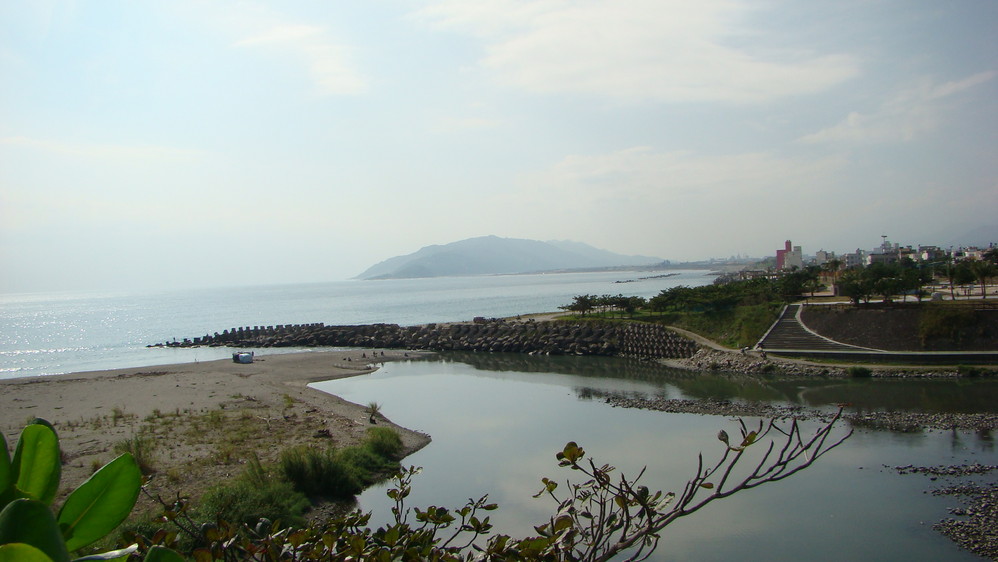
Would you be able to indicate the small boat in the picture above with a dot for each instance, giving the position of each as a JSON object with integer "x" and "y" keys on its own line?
{"x": 242, "y": 357}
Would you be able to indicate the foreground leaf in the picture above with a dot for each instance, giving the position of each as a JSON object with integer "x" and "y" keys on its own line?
{"x": 20, "y": 552}
{"x": 121, "y": 554}
{"x": 101, "y": 503}
{"x": 162, "y": 554}
{"x": 6, "y": 474}
{"x": 37, "y": 466}
{"x": 31, "y": 522}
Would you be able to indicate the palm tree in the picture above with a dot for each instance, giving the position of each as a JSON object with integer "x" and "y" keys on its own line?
{"x": 373, "y": 409}
{"x": 982, "y": 270}
{"x": 833, "y": 268}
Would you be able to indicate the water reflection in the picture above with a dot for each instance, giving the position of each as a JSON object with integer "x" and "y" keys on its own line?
{"x": 496, "y": 422}
{"x": 909, "y": 394}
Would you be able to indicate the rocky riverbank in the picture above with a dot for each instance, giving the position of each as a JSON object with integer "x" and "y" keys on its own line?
{"x": 754, "y": 363}
{"x": 976, "y": 529}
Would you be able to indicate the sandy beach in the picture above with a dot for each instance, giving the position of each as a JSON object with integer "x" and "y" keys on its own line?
{"x": 203, "y": 420}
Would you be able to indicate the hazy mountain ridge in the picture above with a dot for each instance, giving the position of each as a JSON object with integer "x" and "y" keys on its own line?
{"x": 494, "y": 255}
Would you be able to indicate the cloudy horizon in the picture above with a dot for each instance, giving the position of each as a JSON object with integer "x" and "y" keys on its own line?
{"x": 158, "y": 144}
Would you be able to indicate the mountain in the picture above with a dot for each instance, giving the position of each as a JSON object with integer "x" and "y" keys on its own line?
{"x": 491, "y": 255}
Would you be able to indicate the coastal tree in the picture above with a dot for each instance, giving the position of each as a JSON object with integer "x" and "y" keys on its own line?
{"x": 581, "y": 304}
{"x": 914, "y": 280}
{"x": 856, "y": 286}
{"x": 962, "y": 274}
{"x": 792, "y": 285}
{"x": 982, "y": 270}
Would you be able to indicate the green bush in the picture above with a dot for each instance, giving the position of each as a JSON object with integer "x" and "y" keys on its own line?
{"x": 341, "y": 474}
{"x": 246, "y": 502}
{"x": 316, "y": 472}
{"x": 362, "y": 464}
{"x": 969, "y": 371}
{"x": 859, "y": 372}
{"x": 384, "y": 442}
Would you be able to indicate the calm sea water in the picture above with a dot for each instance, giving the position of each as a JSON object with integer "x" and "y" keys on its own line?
{"x": 42, "y": 334}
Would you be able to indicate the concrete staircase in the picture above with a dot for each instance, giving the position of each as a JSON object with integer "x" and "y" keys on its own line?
{"x": 789, "y": 338}
{"x": 789, "y": 334}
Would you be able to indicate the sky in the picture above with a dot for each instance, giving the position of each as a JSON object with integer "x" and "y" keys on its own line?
{"x": 179, "y": 143}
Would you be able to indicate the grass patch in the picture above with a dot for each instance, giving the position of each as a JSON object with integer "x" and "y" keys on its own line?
{"x": 946, "y": 323}
{"x": 384, "y": 442}
{"x": 141, "y": 447}
{"x": 247, "y": 502}
{"x": 735, "y": 327}
{"x": 342, "y": 473}
{"x": 318, "y": 472}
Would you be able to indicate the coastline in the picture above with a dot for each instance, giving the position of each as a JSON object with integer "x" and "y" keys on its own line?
{"x": 196, "y": 413}
{"x": 204, "y": 419}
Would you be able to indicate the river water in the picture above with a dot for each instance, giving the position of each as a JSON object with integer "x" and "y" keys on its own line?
{"x": 498, "y": 420}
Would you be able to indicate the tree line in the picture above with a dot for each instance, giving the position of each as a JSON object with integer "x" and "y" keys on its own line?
{"x": 907, "y": 278}
{"x": 887, "y": 281}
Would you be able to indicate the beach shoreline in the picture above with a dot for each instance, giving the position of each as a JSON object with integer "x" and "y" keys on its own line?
{"x": 204, "y": 420}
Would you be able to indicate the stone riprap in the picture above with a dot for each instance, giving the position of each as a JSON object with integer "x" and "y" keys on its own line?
{"x": 629, "y": 339}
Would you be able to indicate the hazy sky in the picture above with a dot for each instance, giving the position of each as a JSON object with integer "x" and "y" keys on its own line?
{"x": 178, "y": 143}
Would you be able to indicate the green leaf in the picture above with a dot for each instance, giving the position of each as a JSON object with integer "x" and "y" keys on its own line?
{"x": 162, "y": 554}
{"x": 6, "y": 474}
{"x": 101, "y": 503}
{"x": 120, "y": 554}
{"x": 571, "y": 454}
{"x": 563, "y": 522}
{"x": 36, "y": 466}
{"x": 31, "y": 522}
{"x": 20, "y": 552}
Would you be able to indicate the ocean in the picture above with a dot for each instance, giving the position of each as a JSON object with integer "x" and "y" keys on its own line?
{"x": 54, "y": 333}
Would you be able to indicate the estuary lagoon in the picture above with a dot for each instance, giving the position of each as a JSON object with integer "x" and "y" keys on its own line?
{"x": 498, "y": 420}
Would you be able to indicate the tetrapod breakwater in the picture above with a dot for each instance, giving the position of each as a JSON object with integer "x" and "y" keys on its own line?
{"x": 624, "y": 339}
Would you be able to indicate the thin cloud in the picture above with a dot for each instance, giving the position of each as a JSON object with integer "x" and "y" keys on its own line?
{"x": 635, "y": 50}
{"x": 330, "y": 64}
{"x": 99, "y": 150}
{"x": 646, "y": 174}
{"x": 907, "y": 116}
{"x": 280, "y": 34}
{"x": 460, "y": 124}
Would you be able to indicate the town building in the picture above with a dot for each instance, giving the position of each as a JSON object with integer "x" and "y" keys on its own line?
{"x": 789, "y": 257}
